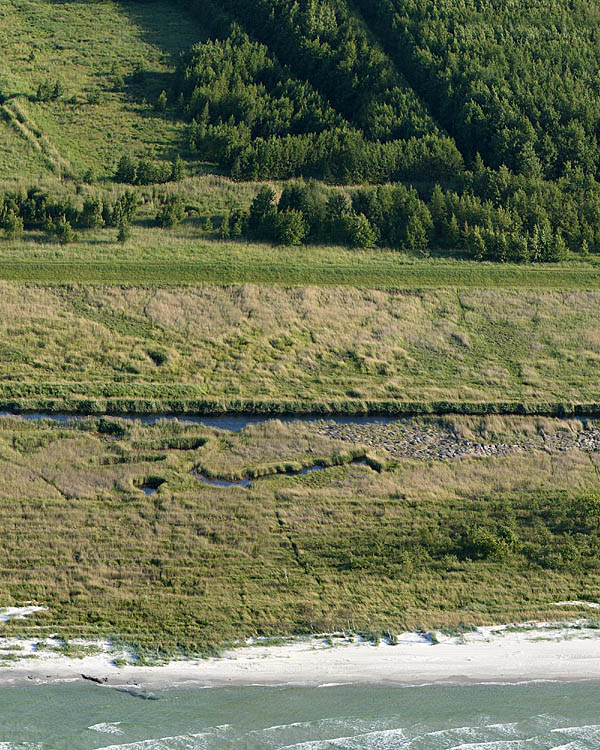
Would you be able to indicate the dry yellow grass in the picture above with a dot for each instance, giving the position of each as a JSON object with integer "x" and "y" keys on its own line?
{"x": 302, "y": 343}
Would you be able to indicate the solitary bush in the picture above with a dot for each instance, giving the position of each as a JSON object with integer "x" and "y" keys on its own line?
{"x": 63, "y": 230}
{"x": 49, "y": 91}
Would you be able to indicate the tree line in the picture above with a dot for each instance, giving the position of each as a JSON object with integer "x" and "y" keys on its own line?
{"x": 491, "y": 215}
{"x": 395, "y": 216}
{"x": 59, "y": 217}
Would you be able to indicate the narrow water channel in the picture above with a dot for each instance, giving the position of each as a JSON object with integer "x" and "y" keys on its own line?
{"x": 247, "y": 482}
{"x": 230, "y": 422}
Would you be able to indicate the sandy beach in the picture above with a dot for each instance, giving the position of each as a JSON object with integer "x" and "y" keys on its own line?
{"x": 514, "y": 653}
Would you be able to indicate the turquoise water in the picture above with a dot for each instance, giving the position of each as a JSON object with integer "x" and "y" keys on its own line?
{"x": 484, "y": 717}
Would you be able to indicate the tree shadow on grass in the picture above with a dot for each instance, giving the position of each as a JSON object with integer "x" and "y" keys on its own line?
{"x": 169, "y": 27}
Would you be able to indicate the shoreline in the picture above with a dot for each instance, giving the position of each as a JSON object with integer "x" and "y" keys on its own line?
{"x": 565, "y": 651}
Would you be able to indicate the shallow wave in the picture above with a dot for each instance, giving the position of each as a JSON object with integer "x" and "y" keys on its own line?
{"x": 179, "y": 742}
{"x": 384, "y": 739}
{"x": 329, "y": 730}
{"x": 106, "y": 727}
{"x": 363, "y": 736}
{"x": 469, "y": 737}
{"x": 531, "y": 743}
{"x": 588, "y": 732}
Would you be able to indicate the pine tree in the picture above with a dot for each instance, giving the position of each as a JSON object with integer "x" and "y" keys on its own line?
{"x": 161, "y": 102}
{"x": 124, "y": 232}
{"x": 13, "y": 226}
{"x": 126, "y": 170}
{"x": 177, "y": 169}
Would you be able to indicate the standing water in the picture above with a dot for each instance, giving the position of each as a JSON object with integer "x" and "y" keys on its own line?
{"x": 533, "y": 716}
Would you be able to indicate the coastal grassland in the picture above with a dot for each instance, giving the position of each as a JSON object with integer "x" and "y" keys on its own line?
{"x": 112, "y": 59}
{"x": 426, "y": 544}
{"x": 162, "y": 348}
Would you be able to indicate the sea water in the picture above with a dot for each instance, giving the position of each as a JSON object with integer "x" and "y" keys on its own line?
{"x": 76, "y": 716}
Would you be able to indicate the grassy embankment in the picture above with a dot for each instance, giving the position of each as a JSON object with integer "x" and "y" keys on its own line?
{"x": 196, "y": 261}
{"x": 422, "y": 545}
{"x": 288, "y": 349}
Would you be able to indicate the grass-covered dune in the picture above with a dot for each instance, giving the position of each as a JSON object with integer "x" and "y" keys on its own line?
{"x": 61, "y": 345}
{"x": 425, "y": 543}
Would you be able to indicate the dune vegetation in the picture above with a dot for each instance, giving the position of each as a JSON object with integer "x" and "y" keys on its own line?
{"x": 296, "y": 346}
{"x": 422, "y": 543}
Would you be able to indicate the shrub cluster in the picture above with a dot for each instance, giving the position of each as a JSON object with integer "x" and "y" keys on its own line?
{"x": 147, "y": 172}
{"x": 59, "y": 217}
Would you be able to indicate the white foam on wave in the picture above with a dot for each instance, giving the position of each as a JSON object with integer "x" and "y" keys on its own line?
{"x": 177, "y": 742}
{"x": 470, "y": 736}
{"x": 587, "y": 732}
{"x": 333, "y": 684}
{"x": 384, "y": 739}
{"x": 106, "y": 727}
{"x": 530, "y": 743}
{"x": 274, "y": 736}
{"x": 502, "y": 745}
{"x": 278, "y": 727}
{"x": 510, "y": 727}
{"x": 207, "y": 740}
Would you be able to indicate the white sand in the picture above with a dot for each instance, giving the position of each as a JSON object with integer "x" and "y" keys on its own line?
{"x": 534, "y": 651}
{"x": 18, "y": 613}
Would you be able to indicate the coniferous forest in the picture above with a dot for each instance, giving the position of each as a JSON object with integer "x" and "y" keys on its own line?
{"x": 490, "y": 113}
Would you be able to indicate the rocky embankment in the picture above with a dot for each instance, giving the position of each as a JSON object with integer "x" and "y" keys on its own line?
{"x": 403, "y": 439}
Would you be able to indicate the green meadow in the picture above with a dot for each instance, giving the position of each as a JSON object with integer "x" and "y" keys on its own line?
{"x": 112, "y": 60}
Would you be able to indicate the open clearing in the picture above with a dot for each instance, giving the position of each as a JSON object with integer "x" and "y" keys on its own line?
{"x": 94, "y": 50}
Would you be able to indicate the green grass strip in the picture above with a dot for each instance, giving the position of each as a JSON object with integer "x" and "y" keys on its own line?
{"x": 280, "y": 407}
{"x": 375, "y": 275}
